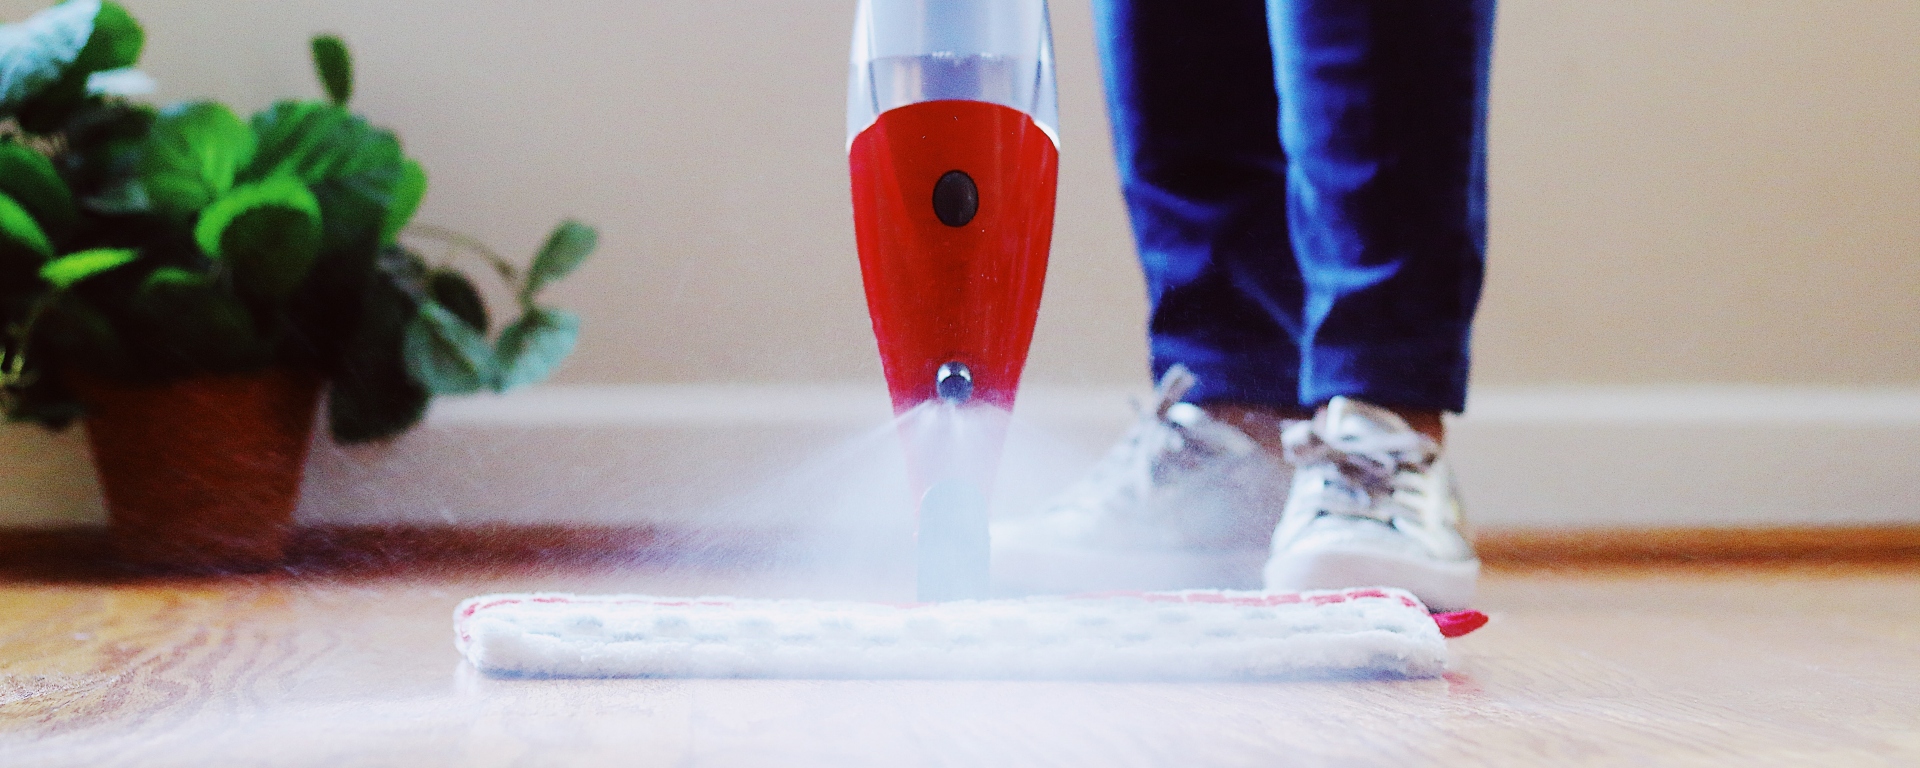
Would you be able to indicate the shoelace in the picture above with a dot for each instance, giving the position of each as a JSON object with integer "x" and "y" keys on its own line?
{"x": 1132, "y": 469}
{"x": 1368, "y": 461}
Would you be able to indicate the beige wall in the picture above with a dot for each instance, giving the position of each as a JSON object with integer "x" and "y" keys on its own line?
{"x": 1683, "y": 190}
{"x": 1705, "y": 191}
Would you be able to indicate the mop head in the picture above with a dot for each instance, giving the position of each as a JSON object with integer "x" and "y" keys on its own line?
{"x": 1194, "y": 635}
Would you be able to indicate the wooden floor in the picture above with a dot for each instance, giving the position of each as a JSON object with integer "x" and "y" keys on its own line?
{"x": 348, "y": 665}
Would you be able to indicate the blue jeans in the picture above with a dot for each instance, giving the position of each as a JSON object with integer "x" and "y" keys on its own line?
{"x": 1307, "y": 184}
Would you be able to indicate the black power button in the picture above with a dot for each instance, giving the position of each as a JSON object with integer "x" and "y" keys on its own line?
{"x": 955, "y": 199}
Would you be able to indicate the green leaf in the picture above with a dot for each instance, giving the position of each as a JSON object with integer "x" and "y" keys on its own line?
{"x": 446, "y": 355}
{"x": 18, "y": 227}
{"x": 353, "y": 167}
{"x": 186, "y": 323}
{"x": 172, "y": 277}
{"x": 566, "y": 248}
{"x": 115, "y": 43}
{"x": 369, "y": 169}
{"x": 371, "y": 396}
{"x": 268, "y": 232}
{"x": 272, "y": 250}
{"x": 452, "y": 290}
{"x": 193, "y": 156}
{"x": 407, "y": 193}
{"x": 533, "y": 346}
{"x": 28, "y": 177}
{"x": 335, "y": 68}
{"x": 81, "y": 338}
{"x": 279, "y": 191}
{"x": 104, "y": 144}
{"x": 356, "y": 199}
{"x": 35, "y": 53}
{"x": 299, "y": 138}
{"x": 105, "y": 138}
{"x": 72, "y": 268}
{"x": 369, "y": 155}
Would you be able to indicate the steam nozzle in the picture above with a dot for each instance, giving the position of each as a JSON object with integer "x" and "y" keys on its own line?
{"x": 953, "y": 383}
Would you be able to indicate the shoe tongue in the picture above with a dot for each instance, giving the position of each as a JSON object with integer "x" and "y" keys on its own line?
{"x": 1368, "y": 430}
{"x": 1352, "y": 418}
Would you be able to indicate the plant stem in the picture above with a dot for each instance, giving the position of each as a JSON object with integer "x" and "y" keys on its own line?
{"x": 460, "y": 241}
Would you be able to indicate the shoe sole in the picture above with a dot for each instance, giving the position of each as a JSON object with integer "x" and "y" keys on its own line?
{"x": 1038, "y": 571}
{"x": 1443, "y": 585}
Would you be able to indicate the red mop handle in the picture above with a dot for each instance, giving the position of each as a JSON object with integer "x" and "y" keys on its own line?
{"x": 953, "y": 212}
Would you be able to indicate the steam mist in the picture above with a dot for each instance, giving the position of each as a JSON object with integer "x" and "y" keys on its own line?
{"x": 851, "y": 508}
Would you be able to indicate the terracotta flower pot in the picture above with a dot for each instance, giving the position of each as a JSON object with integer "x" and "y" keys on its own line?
{"x": 202, "y": 474}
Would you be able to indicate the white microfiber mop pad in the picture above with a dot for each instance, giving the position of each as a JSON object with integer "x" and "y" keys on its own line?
{"x": 1196, "y": 635}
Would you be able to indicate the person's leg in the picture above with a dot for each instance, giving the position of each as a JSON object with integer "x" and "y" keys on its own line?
{"x": 1383, "y": 117}
{"x": 1189, "y": 497}
{"x": 1195, "y": 128}
{"x": 1219, "y": 211}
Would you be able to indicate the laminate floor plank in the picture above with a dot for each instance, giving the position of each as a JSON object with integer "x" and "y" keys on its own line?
{"x": 1654, "y": 665}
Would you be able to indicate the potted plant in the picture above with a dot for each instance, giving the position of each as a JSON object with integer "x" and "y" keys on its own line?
{"x": 189, "y": 283}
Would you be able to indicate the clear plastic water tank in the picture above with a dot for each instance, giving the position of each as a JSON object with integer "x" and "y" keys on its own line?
{"x": 910, "y": 51}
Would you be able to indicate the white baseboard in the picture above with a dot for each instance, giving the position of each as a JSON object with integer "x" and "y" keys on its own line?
{"x": 748, "y": 457}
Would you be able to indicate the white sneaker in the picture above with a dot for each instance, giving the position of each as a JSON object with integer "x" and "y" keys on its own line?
{"x": 1373, "y": 504}
{"x": 1185, "y": 501}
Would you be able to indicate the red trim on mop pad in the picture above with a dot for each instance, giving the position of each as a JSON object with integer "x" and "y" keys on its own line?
{"x": 1459, "y": 623}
